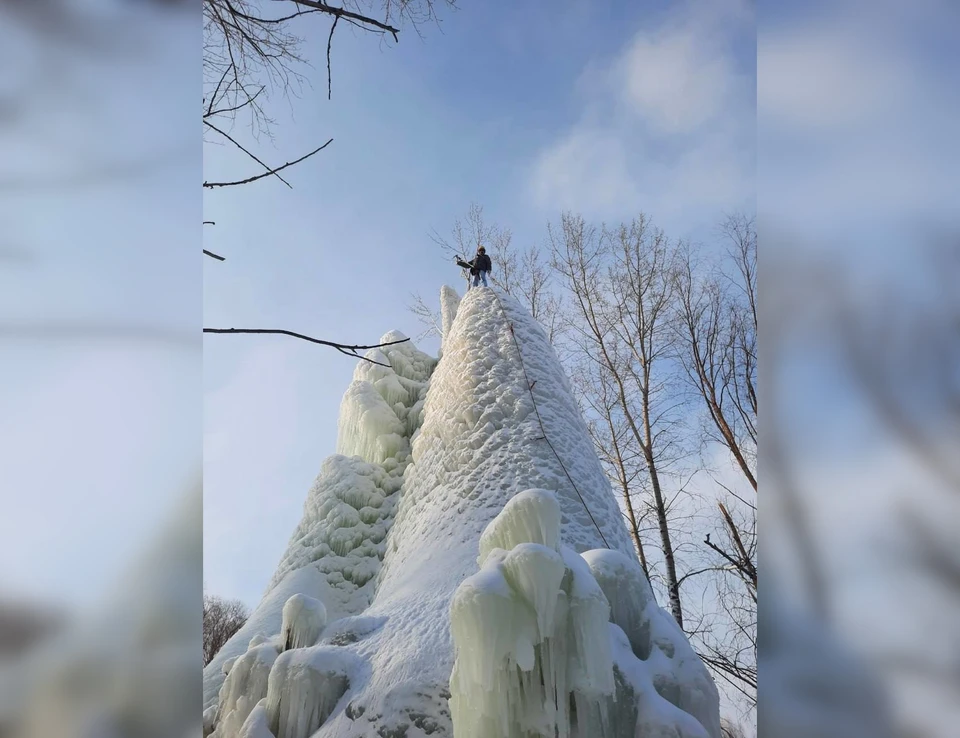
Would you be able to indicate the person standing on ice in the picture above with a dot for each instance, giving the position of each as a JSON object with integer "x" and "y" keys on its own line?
{"x": 481, "y": 266}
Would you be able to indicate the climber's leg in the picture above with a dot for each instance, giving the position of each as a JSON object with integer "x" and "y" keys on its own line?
{"x": 483, "y": 274}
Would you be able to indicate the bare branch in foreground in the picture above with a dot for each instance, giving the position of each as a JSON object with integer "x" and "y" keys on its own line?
{"x": 348, "y": 350}
{"x": 341, "y": 13}
{"x": 268, "y": 173}
{"x": 247, "y": 152}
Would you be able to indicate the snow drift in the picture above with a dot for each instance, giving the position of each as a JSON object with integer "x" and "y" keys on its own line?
{"x": 465, "y": 580}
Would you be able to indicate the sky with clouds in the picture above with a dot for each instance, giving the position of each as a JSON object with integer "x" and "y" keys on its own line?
{"x": 608, "y": 109}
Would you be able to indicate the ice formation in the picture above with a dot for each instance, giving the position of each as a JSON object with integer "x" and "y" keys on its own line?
{"x": 449, "y": 302}
{"x": 667, "y": 660}
{"x": 530, "y": 631}
{"x": 244, "y": 686}
{"x": 305, "y": 685}
{"x": 257, "y": 725}
{"x": 533, "y": 516}
{"x": 303, "y": 620}
{"x": 444, "y": 541}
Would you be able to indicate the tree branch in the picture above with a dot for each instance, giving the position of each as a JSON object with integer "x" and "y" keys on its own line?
{"x": 349, "y": 350}
{"x": 270, "y": 172}
{"x": 341, "y": 13}
{"x": 329, "y": 44}
{"x": 215, "y": 256}
{"x": 248, "y": 153}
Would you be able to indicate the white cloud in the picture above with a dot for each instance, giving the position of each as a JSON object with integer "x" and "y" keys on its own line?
{"x": 674, "y": 81}
{"x": 584, "y": 156}
{"x": 667, "y": 127}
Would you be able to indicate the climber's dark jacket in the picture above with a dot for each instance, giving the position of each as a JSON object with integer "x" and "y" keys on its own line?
{"x": 481, "y": 263}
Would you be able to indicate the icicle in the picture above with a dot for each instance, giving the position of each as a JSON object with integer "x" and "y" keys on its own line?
{"x": 524, "y": 645}
{"x": 257, "y": 724}
{"x": 244, "y": 686}
{"x": 305, "y": 685}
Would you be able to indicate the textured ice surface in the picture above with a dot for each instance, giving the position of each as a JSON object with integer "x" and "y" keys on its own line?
{"x": 392, "y": 530}
{"x": 303, "y": 620}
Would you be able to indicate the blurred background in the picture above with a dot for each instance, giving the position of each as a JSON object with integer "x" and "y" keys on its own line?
{"x": 100, "y": 368}
{"x": 860, "y": 368}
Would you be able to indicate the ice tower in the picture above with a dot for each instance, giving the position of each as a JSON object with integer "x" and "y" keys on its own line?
{"x": 461, "y": 567}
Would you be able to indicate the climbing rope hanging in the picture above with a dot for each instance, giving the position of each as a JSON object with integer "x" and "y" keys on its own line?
{"x": 543, "y": 429}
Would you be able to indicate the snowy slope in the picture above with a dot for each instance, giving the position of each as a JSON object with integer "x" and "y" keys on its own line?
{"x": 430, "y": 458}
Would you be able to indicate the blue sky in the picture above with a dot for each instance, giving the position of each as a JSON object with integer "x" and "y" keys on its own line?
{"x": 610, "y": 109}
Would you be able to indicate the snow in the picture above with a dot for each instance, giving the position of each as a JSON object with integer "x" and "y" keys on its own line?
{"x": 443, "y": 542}
{"x": 303, "y": 620}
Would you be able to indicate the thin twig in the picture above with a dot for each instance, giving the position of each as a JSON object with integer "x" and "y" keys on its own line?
{"x": 329, "y": 44}
{"x": 267, "y": 174}
{"x": 223, "y": 111}
{"x": 349, "y": 350}
{"x": 248, "y": 153}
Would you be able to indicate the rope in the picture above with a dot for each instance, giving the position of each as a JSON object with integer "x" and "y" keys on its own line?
{"x": 543, "y": 430}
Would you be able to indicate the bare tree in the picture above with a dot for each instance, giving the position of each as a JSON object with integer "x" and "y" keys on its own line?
{"x": 615, "y": 445}
{"x": 620, "y": 285}
{"x": 221, "y": 619}
{"x": 427, "y": 316}
{"x": 717, "y": 332}
{"x": 718, "y": 325}
{"x": 730, "y": 729}
{"x": 900, "y": 343}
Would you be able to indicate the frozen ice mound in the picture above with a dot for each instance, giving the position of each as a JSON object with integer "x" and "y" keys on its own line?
{"x": 450, "y": 563}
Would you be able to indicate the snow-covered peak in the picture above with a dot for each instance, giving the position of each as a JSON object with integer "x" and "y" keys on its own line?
{"x": 469, "y": 486}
